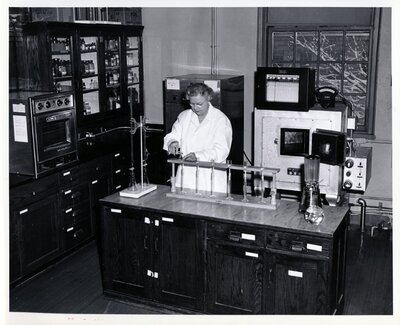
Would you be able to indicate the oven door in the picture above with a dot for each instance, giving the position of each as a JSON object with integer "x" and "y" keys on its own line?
{"x": 55, "y": 134}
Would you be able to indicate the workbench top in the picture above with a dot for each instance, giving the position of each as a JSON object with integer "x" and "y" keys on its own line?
{"x": 285, "y": 217}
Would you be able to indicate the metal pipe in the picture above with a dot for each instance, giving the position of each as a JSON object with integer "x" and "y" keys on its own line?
{"x": 363, "y": 212}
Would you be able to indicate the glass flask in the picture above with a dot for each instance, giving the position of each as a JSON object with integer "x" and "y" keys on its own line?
{"x": 314, "y": 213}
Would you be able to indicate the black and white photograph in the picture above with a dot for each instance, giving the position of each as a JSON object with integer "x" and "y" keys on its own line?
{"x": 205, "y": 162}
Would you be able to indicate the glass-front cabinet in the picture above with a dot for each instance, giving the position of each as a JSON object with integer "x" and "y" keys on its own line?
{"x": 102, "y": 63}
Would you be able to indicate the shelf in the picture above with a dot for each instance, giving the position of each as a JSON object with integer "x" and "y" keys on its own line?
{"x": 62, "y": 78}
{"x": 112, "y": 51}
{"x": 132, "y": 66}
{"x": 132, "y": 49}
{"x": 113, "y": 86}
{"x": 133, "y": 83}
{"x": 113, "y": 67}
{"x": 61, "y": 53}
{"x": 85, "y": 76}
{"x": 89, "y": 90}
{"x": 89, "y": 51}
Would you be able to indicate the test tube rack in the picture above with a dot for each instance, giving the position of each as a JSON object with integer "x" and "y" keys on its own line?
{"x": 228, "y": 198}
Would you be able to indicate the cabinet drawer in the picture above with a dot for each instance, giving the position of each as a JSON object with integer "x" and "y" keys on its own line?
{"x": 33, "y": 191}
{"x": 120, "y": 159}
{"x": 99, "y": 168}
{"x": 298, "y": 243}
{"x": 74, "y": 214}
{"x": 70, "y": 197}
{"x": 76, "y": 234}
{"x": 237, "y": 234}
{"x": 72, "y": 176}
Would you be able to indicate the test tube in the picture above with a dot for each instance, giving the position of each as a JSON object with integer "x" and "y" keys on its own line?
{"x": 173, "y": 187}
{"x": 229, "y": 181}
{"x": 212, "y": 178}
{"x": 197, "y": 177}
{"x": 262, "y": 184}
{"x": 245, "y": 182}
{"x": 182, "y": 176}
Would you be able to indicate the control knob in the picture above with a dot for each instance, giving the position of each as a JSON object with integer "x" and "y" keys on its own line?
{"x": 48, "y": 104}
{"x": 348, "y": 184}
{"x": 59, "y": 102}
{"x": 349, "y": 163}
{"x": 66, "y": 101}
{"x": 40, "y": 106}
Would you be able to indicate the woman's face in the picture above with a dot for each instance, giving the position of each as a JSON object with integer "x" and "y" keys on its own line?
{"x": 199, "y": 105}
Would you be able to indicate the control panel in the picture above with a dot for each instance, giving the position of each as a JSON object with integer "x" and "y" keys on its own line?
{"x": 294, "y": 171}
{"x": 53, "y": 103}
{"x": 357, "y": 170}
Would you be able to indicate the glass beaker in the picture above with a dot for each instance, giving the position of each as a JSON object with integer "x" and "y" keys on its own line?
{"x": 314, "y": 213}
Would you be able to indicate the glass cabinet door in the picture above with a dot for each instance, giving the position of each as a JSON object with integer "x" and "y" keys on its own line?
{"x": 133, "y": 72}
{"x": 61, "y": 66}
{"x": 112, "y": 63}
{"x": 89, "y": 73}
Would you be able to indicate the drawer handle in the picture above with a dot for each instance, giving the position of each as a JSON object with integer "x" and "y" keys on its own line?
{"x": 66, "y": 173}
{"x": 95, "y": 181}
{"x": 146, "y": 220}
{"x": 117, "y": 187}
{"x": 116, "y": 210}
{"x": 23, "y": 211}
{"x": 68, "y": 210}
{"x": 250, "y": 254}
{"x": 117, "y": 154}
{"x": 167, "y": 219}
{"x": 67, "y": 192}
{"x": 156, "y": 223}
{"x": 234, "y": 236}
{"x": 118, "y": 171}
{"x": 70, "y": 229}
{"x": 296, "y": 274}
{"x": 314, "y": 247}
{"x": 248, "y": 236}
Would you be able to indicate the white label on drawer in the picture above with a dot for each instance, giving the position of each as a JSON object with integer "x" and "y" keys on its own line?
{"x": 250, "y": 254}
{"x": 68, "y": 210}
{"x": 94, "y": 182}
{"x": 173, "y": 84}
{"x": 146, "y": 220}
{"x": 70, "y": 229}
{"x": 117, "y": 154}
{"x": 156, "y": 223}
{"x": 20, "y": 128}
{"x": 117, "y": 187}
{"x": 167, "y": 219}
{"x": 67, "y": 192}
{"x": 155, "y": 275}
{"x": 296, "y": 274}
{"x": 118, "y": 171}
{"x": 23, "y": 211}
{"x": 149, "y": 273}
{"x": 18, "y": 108}
{"x": 66, "y": 173}
{"x": 313, "y": 247}
{"x": 116, "y": 210}
{"x": 248, "y": 236}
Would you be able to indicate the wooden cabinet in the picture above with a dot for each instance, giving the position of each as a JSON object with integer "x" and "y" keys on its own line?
{"x": 152, "y": 256}
{"x": 102, "y": 63}
{"x": 171, "y": 252}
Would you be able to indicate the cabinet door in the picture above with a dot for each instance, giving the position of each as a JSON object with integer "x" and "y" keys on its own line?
{"x": 178, "y": 260}
{"x": 38, "y": 233}
{"x": 133, "y": 73}
{"x": 126, "y": 252}
{"x": 98, "y": 188}
{"x": 234, "y": 279}
{"x": 296, "y": 285}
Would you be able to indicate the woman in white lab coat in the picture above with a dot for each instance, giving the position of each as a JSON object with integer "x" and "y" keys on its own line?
{"x": 202, "y": 133}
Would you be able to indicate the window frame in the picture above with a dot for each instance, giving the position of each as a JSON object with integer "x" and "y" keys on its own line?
{"x": 264, "y": 54}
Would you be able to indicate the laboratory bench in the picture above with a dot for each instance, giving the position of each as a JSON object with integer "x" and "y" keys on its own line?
{"x": 222, "y": 259}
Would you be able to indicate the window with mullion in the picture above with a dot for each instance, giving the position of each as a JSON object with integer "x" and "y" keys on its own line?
{"x": 340, "y": 56}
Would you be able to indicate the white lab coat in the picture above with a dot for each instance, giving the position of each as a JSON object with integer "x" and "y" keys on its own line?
{"x": 209, "y": 140}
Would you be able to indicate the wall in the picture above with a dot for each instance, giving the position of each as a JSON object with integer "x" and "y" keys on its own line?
{"x": 177, "y": 41}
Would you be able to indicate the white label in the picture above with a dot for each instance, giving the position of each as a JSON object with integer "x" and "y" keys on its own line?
{"x": 250, "y": 254}
{"x": 20, "y": 129}
{"x": 117, "y": 154}
{"x": 156, "y": 223}
{"x": 66, "y": 173}
{"x": 213, "y": 84}
{"x": 23, "y": 211}
{"x": 18, "y": 108}
{"x": 67, "y": 192}
{"x": 116, "y": 210}
{"x": 167, "y": 219}
{"x": 149, "y": 273}
{"x": 173, "y": 84}
{"x": 94, "y": 182}
{"x": 118, "y": 171}
{"x": 155, "y": 275}
{"x": 146, "y": 220}
{"x": 117, "y": 187}
{"x": 68, "y": 210}
{"x": 296, "y": 274}
{"x": 70, "y": 229}
{"x": 313, "y": 247}
{"x": 248, "y": 236}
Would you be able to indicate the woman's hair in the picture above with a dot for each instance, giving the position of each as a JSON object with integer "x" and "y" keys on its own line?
{"x": 199, "y": 89}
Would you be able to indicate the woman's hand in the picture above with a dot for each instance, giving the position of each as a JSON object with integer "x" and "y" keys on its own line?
{"x": 190, "y": 157}
{"x": 173, "y": 148}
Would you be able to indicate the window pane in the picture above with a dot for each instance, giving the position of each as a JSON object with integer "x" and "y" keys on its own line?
{"x": 331, "y": 46}
{"x": 330, "y": 75}
{"x": 357, "y": 46}
{"x": 282, "y": 46}
{"x": 355, "y": 78}
{"x": 306, "y": 46}
{"x": 359, "y": 103}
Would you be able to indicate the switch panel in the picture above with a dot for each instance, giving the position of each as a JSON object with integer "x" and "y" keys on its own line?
{"x": 294, "y": 171}
{"x": 357, "y": 170}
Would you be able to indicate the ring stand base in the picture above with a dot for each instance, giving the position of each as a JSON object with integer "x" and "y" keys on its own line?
{"x": 139, "y": 192}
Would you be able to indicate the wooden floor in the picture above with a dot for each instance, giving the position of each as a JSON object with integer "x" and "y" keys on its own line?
{"x": 74, "y": 284}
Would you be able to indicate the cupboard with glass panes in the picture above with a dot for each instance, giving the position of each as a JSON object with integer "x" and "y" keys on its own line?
{"x": 102, "y": 63}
